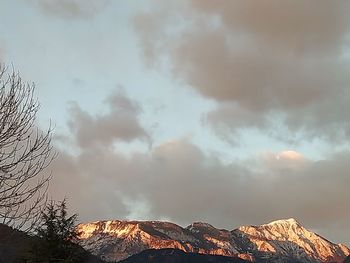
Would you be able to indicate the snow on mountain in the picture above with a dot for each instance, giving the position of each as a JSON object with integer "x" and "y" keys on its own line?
{"x": 278, "y": 241}
{"x": 283, "y": 238}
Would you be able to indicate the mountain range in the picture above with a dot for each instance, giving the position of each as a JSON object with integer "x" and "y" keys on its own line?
{"x": 278, "y": 241}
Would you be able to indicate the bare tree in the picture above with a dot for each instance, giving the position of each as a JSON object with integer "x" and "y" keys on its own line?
{"x": 25, "y": 152}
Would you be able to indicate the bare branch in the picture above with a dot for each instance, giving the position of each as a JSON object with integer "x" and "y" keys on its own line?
{"x": 25, "y": 152}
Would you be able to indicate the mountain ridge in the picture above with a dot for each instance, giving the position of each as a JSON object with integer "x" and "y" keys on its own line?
{"x": 284, "y": 240}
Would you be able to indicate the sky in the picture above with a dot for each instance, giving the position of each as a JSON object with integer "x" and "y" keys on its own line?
{"x": 228, "y": 112}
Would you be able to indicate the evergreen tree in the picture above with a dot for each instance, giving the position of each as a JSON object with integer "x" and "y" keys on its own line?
{"x": 57, "y": 234}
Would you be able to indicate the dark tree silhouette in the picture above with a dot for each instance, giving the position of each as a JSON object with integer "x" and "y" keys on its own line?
{"x": 25, "y": 152}
{"x": 57, "y": 235}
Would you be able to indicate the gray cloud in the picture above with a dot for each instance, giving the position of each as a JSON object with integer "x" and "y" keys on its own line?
{"x": 264, "y": 58}
{"x": 120, "y": 123}
{"x": 228, "y": 118}
{"x": 179, "y": 182}
{"x": 257, "y": 61}
{"x": 295, "y": 26}
{"x": 73, "y": 8}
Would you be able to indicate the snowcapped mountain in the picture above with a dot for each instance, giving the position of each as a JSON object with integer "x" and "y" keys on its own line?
{"x": 278, "y": 241}
{"x": 288, "y": 241}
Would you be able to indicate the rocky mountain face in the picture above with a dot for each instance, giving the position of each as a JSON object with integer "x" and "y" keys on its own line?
{"x": 278, "y": 241}
{"x": 288, "y": 241}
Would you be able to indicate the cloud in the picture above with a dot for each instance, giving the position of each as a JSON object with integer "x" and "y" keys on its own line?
{"x": 266, "y": 66}
{"x": 119, "y": 124}
{"x": 289, "y": 155}
{"x": 178, "y": 181}
{"x": 229, "y": 118}
{"x": 152, "y": 33}
{"x": 73, "y": 9}
{"x": 263, "y": 59}
{"x": 292, "y": 25}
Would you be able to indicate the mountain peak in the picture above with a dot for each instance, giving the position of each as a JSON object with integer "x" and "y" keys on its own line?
{"x": 290, "y": 221}
{"x": 200, "y": 224}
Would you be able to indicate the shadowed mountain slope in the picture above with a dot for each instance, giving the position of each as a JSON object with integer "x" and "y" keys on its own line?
{"x": 169, "y": 255}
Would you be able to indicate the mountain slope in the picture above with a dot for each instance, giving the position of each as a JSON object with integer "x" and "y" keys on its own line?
{"x": 170, "y": 255}
{"x": 278, "y": 241}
